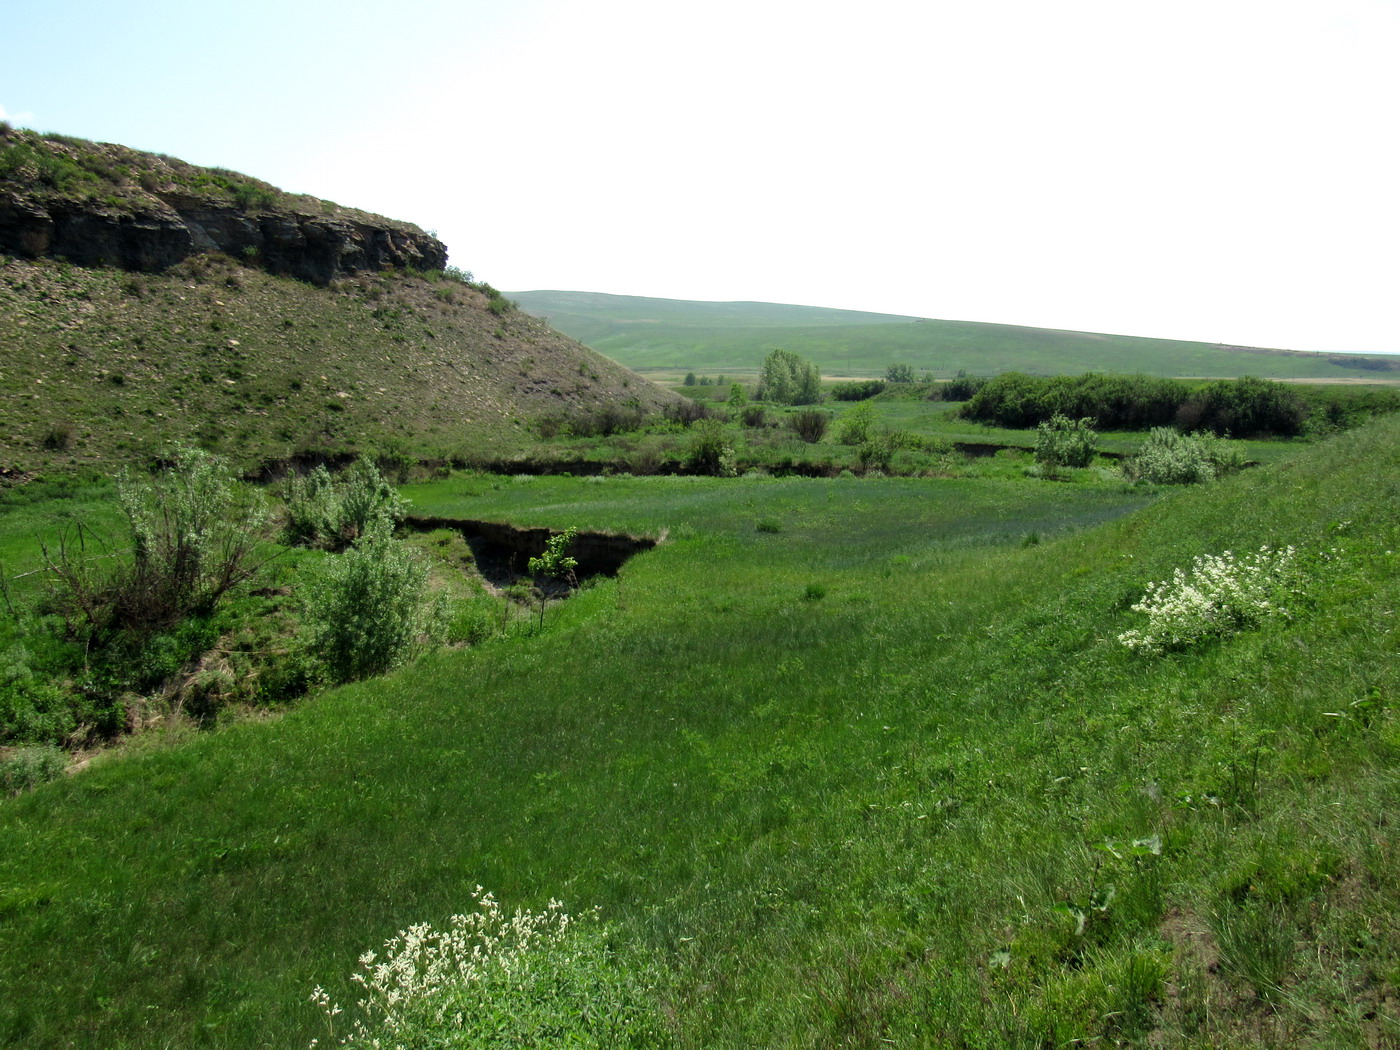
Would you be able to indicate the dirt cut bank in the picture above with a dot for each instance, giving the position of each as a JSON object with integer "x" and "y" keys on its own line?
{"x": 503, "y": 552}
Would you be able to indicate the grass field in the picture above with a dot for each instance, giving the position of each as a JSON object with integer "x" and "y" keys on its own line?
{"x": 845, "y": 762}
{"x": 665, "y": 338}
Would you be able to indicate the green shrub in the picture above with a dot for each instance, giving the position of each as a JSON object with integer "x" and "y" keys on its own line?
{"x": 854, "y": 428}
{"x": 1063, "y": 442}
{"x": 962, "y": 387}
{"x": 368, "y": 610}
{"x": 28, "y": 767}
{"x": 685, "y": 411}
{"x": 1172, "y": 458}
{"x": 32, "y": 705}
{"x": 322, "y": 511}
{"x": 1244, "y": 407}
{"x": 754, "y": 416}
{"x": 59, "y": 438}
{"x": 598, "y": 421}
{"x": 312, "y": 513}
{"x": 858, "y": 390}
{"x": 709, "y": 453}
{"x": 899, "y": 373}
{"x": 876, "y": 452}
{"x": 1129, "y": 402}
{"x": 192, "y": 531}
{"x": 367, "y": 501}
{"x": 809, "y": 424}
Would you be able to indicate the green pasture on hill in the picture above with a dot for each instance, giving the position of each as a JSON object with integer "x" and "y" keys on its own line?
{"x": 845, "y": 762}
{"x": 670, "y": 337}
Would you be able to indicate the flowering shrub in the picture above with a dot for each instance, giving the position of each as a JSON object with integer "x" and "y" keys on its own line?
{"x": 1221, "y": 595}
{"x": 496, "y": 979}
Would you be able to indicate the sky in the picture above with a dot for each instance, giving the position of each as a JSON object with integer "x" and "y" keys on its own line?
{"x": 1219, "y": 170}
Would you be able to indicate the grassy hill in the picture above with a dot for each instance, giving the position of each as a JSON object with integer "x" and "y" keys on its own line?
{"x": 670, "y": 336}
{"x": 144, "y": 300}
{"x": 102, "y": 363}
{"x": 845, "y": 762}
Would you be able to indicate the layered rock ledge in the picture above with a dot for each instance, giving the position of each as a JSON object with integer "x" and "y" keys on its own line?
{"x": 98, "y": 204}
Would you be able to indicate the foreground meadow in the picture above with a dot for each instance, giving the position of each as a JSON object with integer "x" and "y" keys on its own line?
{"x": 843, "y": 762}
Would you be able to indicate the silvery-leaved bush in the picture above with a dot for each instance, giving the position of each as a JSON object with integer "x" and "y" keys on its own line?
{"x": 1221, "y": 594}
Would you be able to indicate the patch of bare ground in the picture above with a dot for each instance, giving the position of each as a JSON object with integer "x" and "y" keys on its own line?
{"x": 1339, "y": 989}
{"x": 1201, "y": 1005}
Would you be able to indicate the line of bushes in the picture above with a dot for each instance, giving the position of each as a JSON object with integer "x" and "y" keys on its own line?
{"x": 1244, "y": 407}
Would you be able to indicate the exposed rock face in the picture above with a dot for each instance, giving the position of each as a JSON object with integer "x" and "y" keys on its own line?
{"x": 314, "y": 248}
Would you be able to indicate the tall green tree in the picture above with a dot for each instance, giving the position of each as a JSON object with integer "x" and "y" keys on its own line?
{"x": 789, "y": 379}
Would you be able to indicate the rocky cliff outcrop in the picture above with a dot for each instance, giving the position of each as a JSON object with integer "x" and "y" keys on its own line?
{"x": 102, "y": 205}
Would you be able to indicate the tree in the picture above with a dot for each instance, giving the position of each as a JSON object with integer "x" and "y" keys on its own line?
{"x": 690, "y": 379}
{"x": 900, "y": 373}
{"x": 789, "y": 380}
{"x": 554, "y": 564}
{"x": 737, "y": 398}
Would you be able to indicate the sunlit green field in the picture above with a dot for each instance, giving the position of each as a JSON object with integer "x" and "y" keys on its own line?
{"x": 665, "y": 338}
{"x": 845, "y": 762}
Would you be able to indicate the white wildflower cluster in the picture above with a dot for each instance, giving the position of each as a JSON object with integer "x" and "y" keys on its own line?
{"x": 1220, "y": 595}
{"x": 423, "y": 972}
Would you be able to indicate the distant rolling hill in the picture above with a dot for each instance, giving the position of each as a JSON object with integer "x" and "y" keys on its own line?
{"x": 660, "y": 335}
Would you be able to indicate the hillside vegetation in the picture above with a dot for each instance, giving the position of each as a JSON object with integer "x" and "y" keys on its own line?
{"x": 850, "y": 762}
{"x": 105, "y": 364}
{"x": 675, "y": 336}
{"x": 146, "y": 301}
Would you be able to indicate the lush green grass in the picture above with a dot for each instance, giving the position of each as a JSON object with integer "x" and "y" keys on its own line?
{"x": 839, "y": 755}
{"x": 670, "y": 337}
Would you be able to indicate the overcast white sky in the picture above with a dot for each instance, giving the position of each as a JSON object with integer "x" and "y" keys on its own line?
{"x": 1223, "y": 170}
